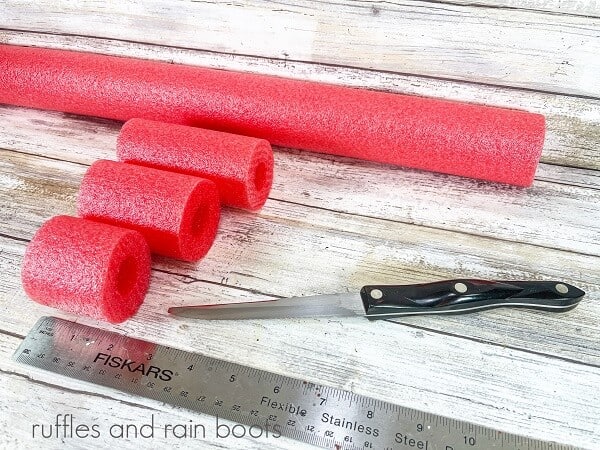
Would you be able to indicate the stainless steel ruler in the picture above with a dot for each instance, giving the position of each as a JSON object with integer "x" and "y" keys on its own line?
{"x": 249, "y": 402}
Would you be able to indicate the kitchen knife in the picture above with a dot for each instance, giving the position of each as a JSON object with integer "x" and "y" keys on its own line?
{"x": 385, "y": 301}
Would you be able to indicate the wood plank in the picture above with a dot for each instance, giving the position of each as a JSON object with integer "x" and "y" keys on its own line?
{"x": 467, "y": 206}
{"x": 176, "y": 285}
{"x": 519, "y": 371}
{"x": 573, "y": 124}
{"x": 505, "y": 47}
{"x": 568, "y": 175}
{"x": 587, "y": 8}
{"x": 349, "y": 186}
{"x": 335, "y": 252}
{"x": 439, "y": 373}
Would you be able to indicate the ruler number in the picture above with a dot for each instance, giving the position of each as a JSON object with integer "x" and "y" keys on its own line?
{"x": 46, "y": 355}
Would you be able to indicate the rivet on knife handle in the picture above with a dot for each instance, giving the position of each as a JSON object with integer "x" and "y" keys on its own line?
{"x": 462, "y": 296}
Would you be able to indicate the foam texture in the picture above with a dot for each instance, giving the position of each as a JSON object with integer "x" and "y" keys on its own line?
{"x": 87, "y": 268}
{"x": 240, "y": 166}
{"x": 489, "y": 143}
{"x": 177, "y": 214}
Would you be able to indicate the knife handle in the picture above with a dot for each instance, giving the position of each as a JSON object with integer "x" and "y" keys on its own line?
{"x": 466, "y": 295}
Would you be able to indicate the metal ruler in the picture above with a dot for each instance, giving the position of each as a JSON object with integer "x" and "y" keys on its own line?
{"x": 249, "y": 402}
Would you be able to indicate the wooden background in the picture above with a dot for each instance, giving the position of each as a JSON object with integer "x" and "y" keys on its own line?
{"x": 332, "y": 224}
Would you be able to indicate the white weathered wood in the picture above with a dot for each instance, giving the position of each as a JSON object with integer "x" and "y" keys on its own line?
{"x": 175, "y": 285}
{"x": 573, "y": 123}
{"x": 587, "y": 8}
{"x": 569, "y": 211}
{"x": 335, "y": 252}
{"x": 334, "y": 224}
{"x": 507, "y": 47}
{"x": 414, "y": 368}
{"x": 568, "y": 175}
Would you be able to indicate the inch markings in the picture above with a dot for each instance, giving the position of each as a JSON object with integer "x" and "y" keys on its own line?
{"x": 259, "y": 403}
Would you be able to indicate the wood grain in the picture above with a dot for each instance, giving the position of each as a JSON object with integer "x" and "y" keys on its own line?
{"x": 335, "y": 252}
{"x": 334, "y": 224}
{"x": 586, "y": 8}
{"x": 507, "y": 47}
{"x": 415, "y": 368}
{"x": 345, "y": 185}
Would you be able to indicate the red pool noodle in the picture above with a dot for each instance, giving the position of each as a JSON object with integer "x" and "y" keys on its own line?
{"x": 240, "y": 166}
{"x": 488, "y": 143}
{"x": 177, "y": 214}
{"x": 87, "y": 268}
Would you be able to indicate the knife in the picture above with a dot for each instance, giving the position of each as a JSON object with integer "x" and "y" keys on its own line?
{"x": 388, "y": 301}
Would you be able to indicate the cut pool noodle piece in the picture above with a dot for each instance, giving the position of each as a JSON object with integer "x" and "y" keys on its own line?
{"x": 87, "y": 268}
{"x": 240, "y": 166}
{"x": 177, "y": 214}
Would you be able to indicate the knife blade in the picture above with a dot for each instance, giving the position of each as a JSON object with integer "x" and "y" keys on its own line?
{"x": 387, "y": 301}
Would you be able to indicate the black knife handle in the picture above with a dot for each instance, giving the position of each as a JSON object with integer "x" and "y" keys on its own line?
{"x": 465, "y": 295}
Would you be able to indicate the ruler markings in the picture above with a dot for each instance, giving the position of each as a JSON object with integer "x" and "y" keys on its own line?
{"x": 310, "y": 413}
